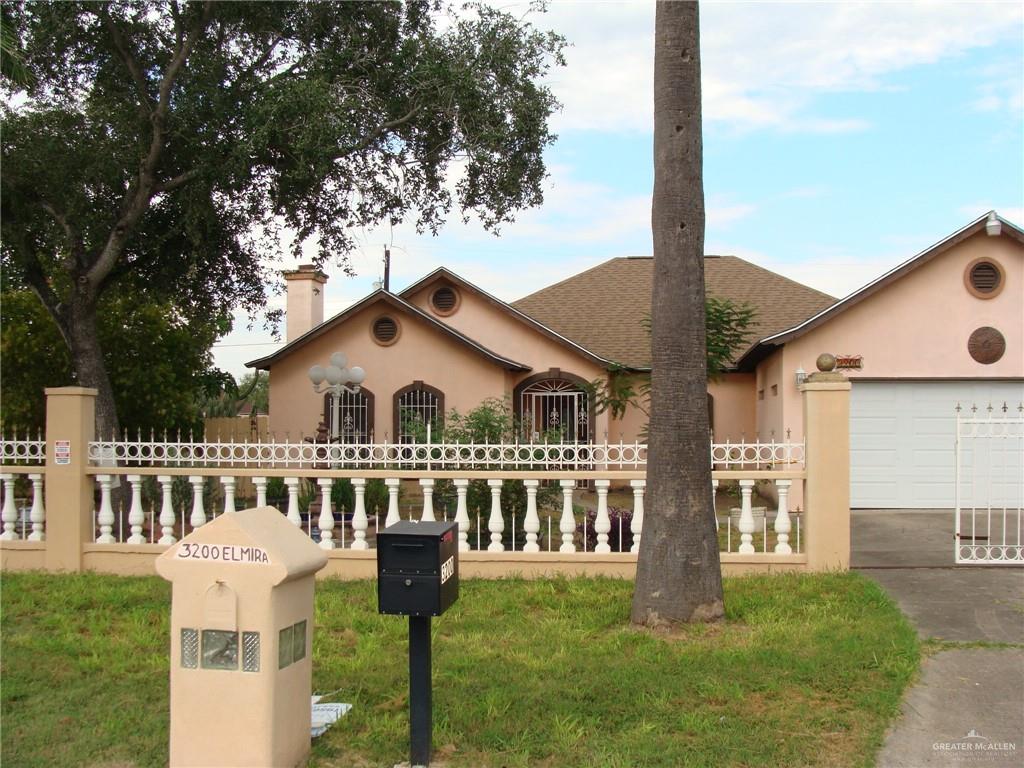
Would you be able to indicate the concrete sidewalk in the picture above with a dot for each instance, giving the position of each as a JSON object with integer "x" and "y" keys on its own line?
{"x": 968, "y": 707}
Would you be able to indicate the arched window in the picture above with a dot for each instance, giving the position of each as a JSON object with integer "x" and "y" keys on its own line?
{"x": 417, "y": 406}
{"x": 352, "y": 420}
{"x": 556, "y": 406}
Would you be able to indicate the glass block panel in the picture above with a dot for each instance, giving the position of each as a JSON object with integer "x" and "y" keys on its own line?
{"x": 250, "y": 651}
{"x": 284, "y": 647}
{"x": 220, "y": 649}
{"x": 189, "y": 648}
{"x": 299, "y": 641}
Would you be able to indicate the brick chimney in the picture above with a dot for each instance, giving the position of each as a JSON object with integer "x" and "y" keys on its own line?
{"x": 305, "y": 305}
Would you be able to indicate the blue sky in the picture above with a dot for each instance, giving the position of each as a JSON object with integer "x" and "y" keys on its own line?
{"x": 839, "y": 140}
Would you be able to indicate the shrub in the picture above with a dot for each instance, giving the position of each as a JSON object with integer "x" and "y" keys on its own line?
{"x": 618, "y": 516}
{"x": 343, "y": 496}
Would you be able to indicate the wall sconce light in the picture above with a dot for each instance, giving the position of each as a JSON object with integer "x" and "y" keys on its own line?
{"x": 801, "y": 376}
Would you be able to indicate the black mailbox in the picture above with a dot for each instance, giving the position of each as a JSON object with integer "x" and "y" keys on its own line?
{"x": 417, "y": 568}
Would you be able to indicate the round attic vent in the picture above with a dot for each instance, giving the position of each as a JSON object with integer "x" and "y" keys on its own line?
{"x": 385, "y": 330}
{"x": 984, "y": 278}
{"x": 445, "y": 300}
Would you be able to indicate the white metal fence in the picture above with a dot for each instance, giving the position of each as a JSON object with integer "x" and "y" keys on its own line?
{"x": 989, "y": 459}
{"x": 173, "y": 487}
{"x": 426, "y": 456}
{"x": 22, "y": 451}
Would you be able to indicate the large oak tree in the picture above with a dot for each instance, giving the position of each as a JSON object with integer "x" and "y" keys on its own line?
{"x": 156, "y": 149}
{"x": 679, "y": 576}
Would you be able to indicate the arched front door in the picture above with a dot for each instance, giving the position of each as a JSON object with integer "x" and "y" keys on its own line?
{"x": 555, "y": 406}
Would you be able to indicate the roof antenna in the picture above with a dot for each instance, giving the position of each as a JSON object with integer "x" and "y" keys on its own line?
{"x": 387, "y": 269}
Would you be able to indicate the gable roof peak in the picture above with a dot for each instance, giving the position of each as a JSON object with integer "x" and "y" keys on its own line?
{"x": 400, "y": 304}
{"x": 1006, "y": 228}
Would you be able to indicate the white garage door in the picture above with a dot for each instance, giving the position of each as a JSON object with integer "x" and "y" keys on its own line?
{"x": 901, "y": 438}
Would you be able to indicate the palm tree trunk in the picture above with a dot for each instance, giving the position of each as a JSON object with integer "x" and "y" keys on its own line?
{"x": 679, "y": 575}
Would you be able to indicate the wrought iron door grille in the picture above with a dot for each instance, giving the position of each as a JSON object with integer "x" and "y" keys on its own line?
{"x": 555, "y": 410}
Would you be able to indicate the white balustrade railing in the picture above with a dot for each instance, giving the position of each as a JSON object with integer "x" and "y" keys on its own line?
{"x": 426, "y": 456}
{"x": 603, "y": 521}
{"x": 21, "y": 521}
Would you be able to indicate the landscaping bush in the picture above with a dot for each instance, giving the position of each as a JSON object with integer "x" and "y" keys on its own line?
{"x": 621, "y": 520}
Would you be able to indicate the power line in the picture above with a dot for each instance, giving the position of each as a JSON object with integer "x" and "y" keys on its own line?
{"x": 252, "y": 344}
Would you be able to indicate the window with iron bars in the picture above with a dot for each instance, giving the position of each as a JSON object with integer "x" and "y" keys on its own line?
{"x": 416, "y": 407}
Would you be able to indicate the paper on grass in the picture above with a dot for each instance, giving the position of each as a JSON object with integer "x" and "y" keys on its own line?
{"x": 325, "y": 715}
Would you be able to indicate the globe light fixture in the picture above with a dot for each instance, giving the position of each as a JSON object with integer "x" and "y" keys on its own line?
{"x": 335, "y": 378}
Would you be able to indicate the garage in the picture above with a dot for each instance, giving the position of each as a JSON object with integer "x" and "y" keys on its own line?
{"x": 902, "y": 440}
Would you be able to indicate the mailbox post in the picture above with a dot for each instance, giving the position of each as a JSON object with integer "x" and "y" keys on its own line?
{"x": 418, "y": 577}
{"x": 241, "y": 641}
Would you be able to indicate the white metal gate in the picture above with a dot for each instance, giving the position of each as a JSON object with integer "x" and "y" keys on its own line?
{"x": 989, "y": 456}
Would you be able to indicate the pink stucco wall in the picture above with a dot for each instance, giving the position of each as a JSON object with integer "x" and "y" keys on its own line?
{"x": 496, "y": 329}
{"x": 916, "y": 327}
{"x": 770, "y": 390}
{"x": 424, "y": 353}
{"x": 421, "y": 353}
{"x": 735, "y": 412}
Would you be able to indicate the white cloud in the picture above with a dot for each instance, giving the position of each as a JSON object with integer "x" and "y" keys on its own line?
{"x": 1014, "y": 213}
{"x": 763, "y": 63}
{"x": 720, "y": 215}
{"x": 1001, "y": 90}
{"x": 835, "y": 273}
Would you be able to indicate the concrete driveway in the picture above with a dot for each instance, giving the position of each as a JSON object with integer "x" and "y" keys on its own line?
{"x": 968, "y": 707}
{"x": 910, "y": 553}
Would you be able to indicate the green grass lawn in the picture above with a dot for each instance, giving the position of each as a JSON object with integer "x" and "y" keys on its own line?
{"x": 806, "y": 670}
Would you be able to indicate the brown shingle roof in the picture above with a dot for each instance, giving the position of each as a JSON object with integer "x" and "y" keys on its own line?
{"x": 603, "y": 308}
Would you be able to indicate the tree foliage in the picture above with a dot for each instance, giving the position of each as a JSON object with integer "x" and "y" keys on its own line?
{"x": 160, "y": 366}
{"x": 163, "y": 147}
{"x": 727, "y": 327}
{"x": 253, "y": 389}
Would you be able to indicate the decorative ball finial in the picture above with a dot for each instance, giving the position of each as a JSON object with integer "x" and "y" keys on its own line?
{"x": 826, "y": 363}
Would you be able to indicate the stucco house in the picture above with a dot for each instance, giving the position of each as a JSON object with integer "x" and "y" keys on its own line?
{"x": 945, "y": 326}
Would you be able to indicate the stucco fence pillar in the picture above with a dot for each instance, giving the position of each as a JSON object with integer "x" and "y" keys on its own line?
{"x": 827, "y": 463}
{"x": 67, "y": 490}
{"x": 70, "y": 418}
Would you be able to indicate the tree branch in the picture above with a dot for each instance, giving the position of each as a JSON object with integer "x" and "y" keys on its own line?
{"x": 178, "y": 181}
{"x": 376, "y": 133}
{"x": 76, "y": 247}
{"x": 123, "y": 48}
{"x": 176, "y": 15}
{"x": 263, "y": 59}
{"x": 139, "y": 194}
{"x": 36, "y": 279}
